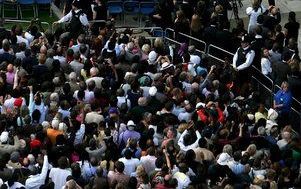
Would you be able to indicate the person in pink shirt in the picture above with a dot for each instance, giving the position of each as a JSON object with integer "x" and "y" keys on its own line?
{"x": 10, "y": 74}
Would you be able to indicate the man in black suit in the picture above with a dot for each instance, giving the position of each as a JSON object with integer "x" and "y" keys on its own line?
{"x": 187, "y": 8}
{"x": 281, "y": 70}
{"x": 272, "y": 18}
{"x": 225, "y": 38}
{"x": 40, "y": 72}
{"x": 257, "y": 44}
{"x": 210, "y": 31}
{"x": 291, "y": 50}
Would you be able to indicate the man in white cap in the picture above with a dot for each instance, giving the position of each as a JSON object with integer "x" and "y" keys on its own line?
{"x": 7, "y": 148}
{"x": 152, "y": 57}
{"x": 129, "y": 133}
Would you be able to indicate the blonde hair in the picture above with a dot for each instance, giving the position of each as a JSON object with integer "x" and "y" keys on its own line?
{"x": 195, "y": 24}
{"x": 158, "y": 42}
{"x": 146, "y": 48}
{"x": 140, "y": 171}
{"x": 228, "y": 149}
{"x": 251, "y": 149}
{"x": 283, "y": 84}
{"x": 255, "y": 4}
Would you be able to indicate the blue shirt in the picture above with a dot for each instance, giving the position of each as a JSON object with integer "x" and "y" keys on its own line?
{"x": 285, "y": 98}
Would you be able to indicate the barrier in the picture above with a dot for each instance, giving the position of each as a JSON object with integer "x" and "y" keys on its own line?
{"x": 97, "y": 21}
{"x": 90, "y": 22}
{"x": 266, "y": 94}
{"x": 156, "y": 31}
{"x": 199, "y": 44}
{"x": 215, "y": 53}
{"x": 266, "y": 83}
{"x": 24, "y": 22}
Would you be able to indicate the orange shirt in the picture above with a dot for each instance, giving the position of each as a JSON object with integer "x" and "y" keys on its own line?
{"x": 52, "y": 134}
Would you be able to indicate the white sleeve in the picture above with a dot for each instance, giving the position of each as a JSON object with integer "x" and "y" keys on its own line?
{"x": 44, "y": 169}
{"x": 264, "y": 65}
{"x": 31, "y": 103}
{"x": 66, "y": 18}
{"x": 84, "y": 20}
{"x": 196, "y": 143}
{"x": 51, "y": 173}
{"x": 234, "y": 59}
{"x": 250, "y": 57}
{"x": 180, "y": 141}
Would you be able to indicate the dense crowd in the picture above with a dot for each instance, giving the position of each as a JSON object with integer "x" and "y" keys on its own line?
{"x": 107, "y": 109}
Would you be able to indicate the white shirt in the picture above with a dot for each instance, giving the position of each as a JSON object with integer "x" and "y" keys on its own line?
{"x": 79, "y": 135}
{"x": 184, "y": 116}
{"x": 15, "y": 185}
{"x": 191, "y": 146}
{"x": 62, "y": 59}
{"x": 121, "y": 100}
{"x": 59, "y": 176}
{"x": 87, "y": 169}
{"x": 35, "y": 181}
{"x": 249, "y": 59}
{"x": 89, "y": 96}
{"x": 145, "y": 91}
{"x": 253, "y": 16}
{"x": 29, "y": 37}
{"x": 82, "y": 18}
{"x": 21, "y": 39}
{"x": 187, "y": 87}
{"x": 177, "y": 110}
{"x": 20, "y": 55}
{"x": 97, "y": 81}
{"x": 266, "y": 66}
{"x": 130, "y": 165}
{"x": 42, "y": 108}
{"x": 183, "y": 180}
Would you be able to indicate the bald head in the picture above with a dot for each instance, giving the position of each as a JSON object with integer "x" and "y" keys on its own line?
{"x": 94, "y": 71}
{"x": 43, "y": 49}
{"x": 42, "y": 58}
{"x": 72, "y": 76}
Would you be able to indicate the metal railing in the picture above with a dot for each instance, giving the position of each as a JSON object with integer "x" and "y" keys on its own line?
{"x": 266, "y": 86}
{"x": 53, "y": 26}
{"x": 25, "y": 22}
{"x": 200, "y": 45}
{"x": 97, "y": 21}
{"x": 218, "y": 53}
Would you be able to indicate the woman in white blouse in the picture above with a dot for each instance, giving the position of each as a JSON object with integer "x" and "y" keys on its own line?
{"x": 253, "y": 12}
{"x": 266, "y": 67}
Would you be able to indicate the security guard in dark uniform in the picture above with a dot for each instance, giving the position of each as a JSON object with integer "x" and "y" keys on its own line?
{"x": 243, "y": 60}
{"x": 77, "y": 20}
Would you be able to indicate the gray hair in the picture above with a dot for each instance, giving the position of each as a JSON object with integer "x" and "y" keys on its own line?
{"x": 228, "y": 149}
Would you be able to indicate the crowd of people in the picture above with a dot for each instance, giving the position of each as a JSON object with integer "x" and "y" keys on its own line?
{"x": 107, "y": 109}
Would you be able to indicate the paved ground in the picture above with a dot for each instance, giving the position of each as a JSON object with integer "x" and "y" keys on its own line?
{"x": 285, "y": 7}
